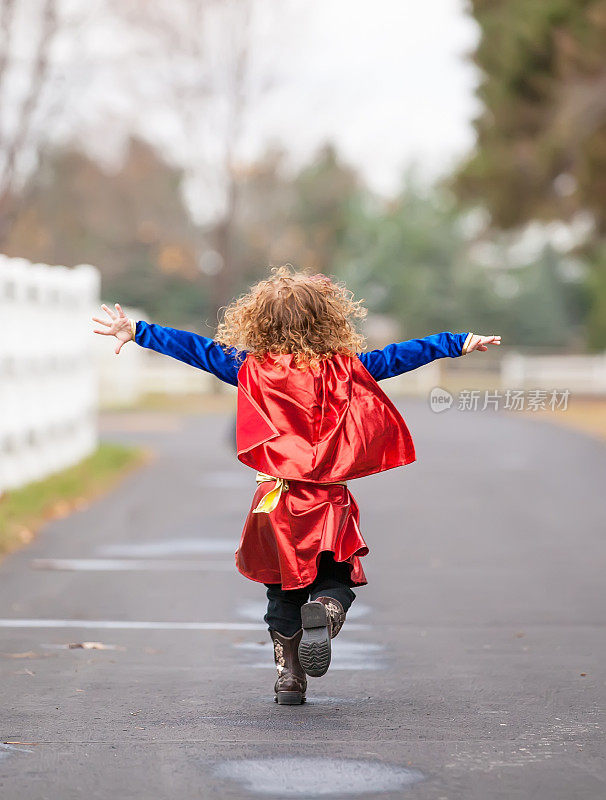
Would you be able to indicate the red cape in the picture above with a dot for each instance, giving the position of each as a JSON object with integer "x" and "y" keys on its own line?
{"x": 331, "y": 424}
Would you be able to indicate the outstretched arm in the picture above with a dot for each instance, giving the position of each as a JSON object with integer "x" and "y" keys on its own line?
{"x": 199, "y": 351}
{"x": 405, "y": 356}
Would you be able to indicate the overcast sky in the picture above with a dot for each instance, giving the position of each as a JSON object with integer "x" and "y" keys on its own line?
{"x": 387, "y": 80}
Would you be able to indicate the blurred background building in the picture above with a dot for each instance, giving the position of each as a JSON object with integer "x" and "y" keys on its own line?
{"x": 447, "y": 159}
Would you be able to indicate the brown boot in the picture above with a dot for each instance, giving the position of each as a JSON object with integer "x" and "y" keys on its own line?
{"x": 322, "y": 619}
{"x": 336, "y": 615}
{"x": 292, "y": 683}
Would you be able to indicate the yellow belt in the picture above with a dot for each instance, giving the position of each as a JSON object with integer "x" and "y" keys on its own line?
{"x": 270, "y": 500}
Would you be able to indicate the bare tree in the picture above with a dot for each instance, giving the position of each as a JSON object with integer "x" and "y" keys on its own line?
{"x": 7, "y": 10}
{"x": 200, "y": 53}
{"x": 237, "y": 92}
{"x": 16, "y": 134}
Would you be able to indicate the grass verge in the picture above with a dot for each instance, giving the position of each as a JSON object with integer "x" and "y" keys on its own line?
{"x": 23, "y": 511}
{"x": 583, "y": 414}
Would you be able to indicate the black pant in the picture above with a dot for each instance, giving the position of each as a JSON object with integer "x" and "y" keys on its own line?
{"x": 284, "y": 606}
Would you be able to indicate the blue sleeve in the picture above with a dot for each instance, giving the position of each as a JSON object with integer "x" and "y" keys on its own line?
{"x": 199, "y": 351}
{"x": 404, "y": 356}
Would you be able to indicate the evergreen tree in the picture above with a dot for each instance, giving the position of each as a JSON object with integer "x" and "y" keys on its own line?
{"x": 541, "y": 134}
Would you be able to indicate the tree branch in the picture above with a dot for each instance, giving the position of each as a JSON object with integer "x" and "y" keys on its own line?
{"x": 7, "y": 9}
{"x": 37, "y": 82}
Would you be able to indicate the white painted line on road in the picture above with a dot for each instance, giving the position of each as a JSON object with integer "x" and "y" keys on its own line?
{"x": 131, "y": 565}
{"x": 166, "y": 547}
{"x": 136, "y": 625}
{"x": 130, "y": 625}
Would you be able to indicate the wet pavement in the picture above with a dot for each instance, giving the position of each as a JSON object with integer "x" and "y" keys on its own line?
{"x": 472, "y": 665}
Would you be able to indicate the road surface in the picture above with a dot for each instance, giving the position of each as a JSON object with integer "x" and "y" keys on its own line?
{"x": 471, "y": 666}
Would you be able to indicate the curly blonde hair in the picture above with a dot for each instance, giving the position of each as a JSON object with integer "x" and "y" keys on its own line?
{"x": 310, "y": 316}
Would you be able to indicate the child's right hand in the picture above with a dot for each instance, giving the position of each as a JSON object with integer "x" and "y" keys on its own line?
{"x": 120, "y": 326}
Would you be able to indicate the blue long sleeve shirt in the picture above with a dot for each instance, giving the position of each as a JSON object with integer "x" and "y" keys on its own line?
{"x": 206, "y": 354}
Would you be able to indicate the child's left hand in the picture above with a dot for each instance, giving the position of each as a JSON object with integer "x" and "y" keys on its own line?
{"x": 481, "y": 343}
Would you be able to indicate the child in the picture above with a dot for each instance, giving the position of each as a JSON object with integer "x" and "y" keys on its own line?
{"x": 310, "y": 417}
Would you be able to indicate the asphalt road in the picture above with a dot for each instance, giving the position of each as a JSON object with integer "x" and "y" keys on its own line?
{"x": 472, "y": 665}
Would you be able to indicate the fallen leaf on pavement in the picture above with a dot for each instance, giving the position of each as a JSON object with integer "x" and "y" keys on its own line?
{"x": 28, "y": 654}
{"x": 12, "y": 741}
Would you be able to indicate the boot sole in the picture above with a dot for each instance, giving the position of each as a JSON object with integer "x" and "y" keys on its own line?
{"x": 314, "y": 647}
{"x": 290, "y": 698}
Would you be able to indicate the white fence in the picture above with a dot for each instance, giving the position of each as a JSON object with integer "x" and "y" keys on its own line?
{"x": 48, "y": 381}
{"x": 585, "y": 375}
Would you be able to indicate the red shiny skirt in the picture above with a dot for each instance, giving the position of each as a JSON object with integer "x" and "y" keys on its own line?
{"x": 284, "y": 546}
